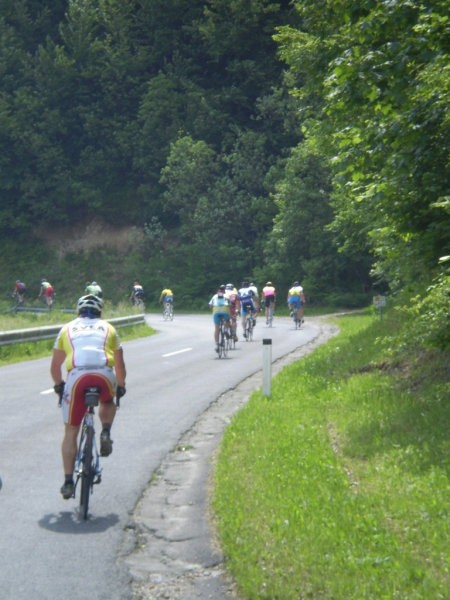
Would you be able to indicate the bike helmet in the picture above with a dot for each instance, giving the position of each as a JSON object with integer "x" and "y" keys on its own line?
{"x": 269, "y": 283}
{"x": 296, "y": 283}
{"x": 229, "y": 286}
{"x": 221, "y": 287}
{"x": 90, "y": 304}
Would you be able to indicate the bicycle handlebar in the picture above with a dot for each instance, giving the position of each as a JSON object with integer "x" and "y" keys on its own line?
{"x": 120, "y": 392}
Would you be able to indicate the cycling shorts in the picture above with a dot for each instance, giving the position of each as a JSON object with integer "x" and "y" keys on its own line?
{"x": 168, "y": 299}
{"x": 247, "y": 308}
{"x": 268, "y": 300}
{"x": 73, "y": 408}
{"x": 220, "y": 314}
{"x": 295, "y": 301}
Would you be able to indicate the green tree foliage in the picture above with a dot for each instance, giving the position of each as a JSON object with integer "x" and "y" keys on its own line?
{"x": 372, "y": 81}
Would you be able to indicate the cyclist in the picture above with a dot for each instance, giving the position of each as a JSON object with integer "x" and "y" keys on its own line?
{"x": 137, "y": 293}
{"x": 249, "y": 303}
{"x": 166, "y": 297}
{"x": 220, "y": 306}
{"x": 47, "y": 292}
{"x": 269, "y": 294}
{"x": 94, "y": 289}
{"x": 235, "y": 307}
{"x": 296, "y": 300}
{"x": 20, "y": 289}
{"x": 91, "y": 351}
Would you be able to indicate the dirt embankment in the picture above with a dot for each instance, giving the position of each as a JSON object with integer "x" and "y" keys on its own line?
{"x": 84, "y": 237}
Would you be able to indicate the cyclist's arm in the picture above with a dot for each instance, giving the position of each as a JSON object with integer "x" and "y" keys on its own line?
{"x": 58, "y": 358}
{"x": 119, "y": 367}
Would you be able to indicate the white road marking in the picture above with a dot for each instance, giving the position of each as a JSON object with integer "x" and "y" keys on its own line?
{"x": 176, "y": 352}
{"x": 49, "y": 391}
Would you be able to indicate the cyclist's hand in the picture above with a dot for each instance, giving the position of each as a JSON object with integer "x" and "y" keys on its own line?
{"x": 59, "y": 389}
{"x": 120, "y": 391}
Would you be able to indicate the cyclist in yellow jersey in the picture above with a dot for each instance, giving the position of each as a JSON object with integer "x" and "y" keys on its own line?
{"x": 296, "y": 300}
{"x": 166, "y": 295}
{"x": 90, "y": 349}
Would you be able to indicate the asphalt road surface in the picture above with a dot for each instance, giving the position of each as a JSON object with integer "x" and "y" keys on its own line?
{"x": 174, "y": 377}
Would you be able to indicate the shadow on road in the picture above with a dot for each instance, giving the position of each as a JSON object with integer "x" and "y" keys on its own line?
{"x": 71, "y": 522}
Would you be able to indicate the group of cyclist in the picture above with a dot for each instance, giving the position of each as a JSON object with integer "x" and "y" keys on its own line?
{"x": 228, "y": 303}
{"x": 46, "y": 292}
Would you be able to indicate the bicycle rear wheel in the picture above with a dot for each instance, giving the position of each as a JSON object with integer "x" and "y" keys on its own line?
{"x": 222, "y": 343}
{"x": 249, "y": 328}
{"x": 87, "y": 475}
{"x": 270, "y": 317}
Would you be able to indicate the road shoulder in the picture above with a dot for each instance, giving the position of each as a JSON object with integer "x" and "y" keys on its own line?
{"x": 170, "y": 547}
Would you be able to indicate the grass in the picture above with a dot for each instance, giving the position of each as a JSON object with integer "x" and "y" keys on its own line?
{"x": 30, "y": 350}
{"x": 338, "y": 486}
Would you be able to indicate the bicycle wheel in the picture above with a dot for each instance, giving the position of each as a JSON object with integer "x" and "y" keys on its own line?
{"x": 249, "y": 328}
{"x": 270, "y": 319}
{"x": 87, "y": 475}
{"x": 222, "y": 343}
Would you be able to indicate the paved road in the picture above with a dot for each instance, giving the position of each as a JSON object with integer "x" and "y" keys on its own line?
{"x": 174, "y": 377}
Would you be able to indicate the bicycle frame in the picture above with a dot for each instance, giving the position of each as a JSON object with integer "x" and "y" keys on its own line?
{"x": 168, "y": 311}
{"x": 249, "y": 325}
{"x": 87, "y": 464}
{"x": 224, "y": 338}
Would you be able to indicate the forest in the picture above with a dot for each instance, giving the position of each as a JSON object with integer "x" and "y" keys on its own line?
{"x": 280, "y": 140}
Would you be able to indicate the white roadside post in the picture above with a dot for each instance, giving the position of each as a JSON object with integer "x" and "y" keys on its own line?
{"x": 267, "y": 366}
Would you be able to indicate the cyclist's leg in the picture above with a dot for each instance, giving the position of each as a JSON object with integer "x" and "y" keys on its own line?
{"x": 216, "y": 321}
{"x": 244, "y": 319}
{"x": 105, "y": 380}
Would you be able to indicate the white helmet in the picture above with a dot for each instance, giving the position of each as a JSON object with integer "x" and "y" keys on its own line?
{"x": 229, "y": 286}
{"x": 90, "y": 302}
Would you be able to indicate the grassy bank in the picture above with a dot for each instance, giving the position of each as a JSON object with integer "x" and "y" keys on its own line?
{"x": 338, "y": 486}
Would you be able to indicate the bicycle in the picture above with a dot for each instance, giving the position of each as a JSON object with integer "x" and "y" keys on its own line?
{"x": 138, "y": 302}
{"x": 249, "y": 325}
{"x": 224, "y": 338}
{"x": 270, "y": 310}
{"x": 168, "y": 311}
{"x": 297, "y": 320}
{"x": 87, "y": 470}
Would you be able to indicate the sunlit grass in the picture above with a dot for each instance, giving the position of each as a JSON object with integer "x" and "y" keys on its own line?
{"x": 337, "y": 487}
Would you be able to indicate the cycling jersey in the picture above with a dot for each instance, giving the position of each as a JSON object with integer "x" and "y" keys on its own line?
{"x": 296, "y": 291}
{"x": 220, "y": 307}
{"x": 166, "y": 295}
{"x": 246, "y": 296}
{"x": 88, "y": 343}
{"x": 138, "y": 291}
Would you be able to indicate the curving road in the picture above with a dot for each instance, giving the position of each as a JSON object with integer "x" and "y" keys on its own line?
{"x": 46, "y": 551}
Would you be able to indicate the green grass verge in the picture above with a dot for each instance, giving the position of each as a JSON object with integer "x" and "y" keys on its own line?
{"x": 11, "y": 353}
{"x": 337, "y": 487}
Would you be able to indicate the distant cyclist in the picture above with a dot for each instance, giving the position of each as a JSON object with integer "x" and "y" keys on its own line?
{"x": 47, "y": 292}
{"x": 90, "y": 349}
{"x": 269, "y": 295}
{"x": 296, "y": 300}
{"x": 166, "y": 296}
{"x": 249, "y": 303}
{"x": 220, "y": 306}
{"x": 20, "y": 289}
{"x": 94, "y": 289}
{"x": 137, "y": 294}
{"x": 235, "y": 307}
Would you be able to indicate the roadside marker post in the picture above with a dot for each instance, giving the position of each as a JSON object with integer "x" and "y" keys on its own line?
{"x": 267, "y": 367}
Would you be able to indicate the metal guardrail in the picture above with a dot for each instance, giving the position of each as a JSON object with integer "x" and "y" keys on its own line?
{"x": 49, "y": 331}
